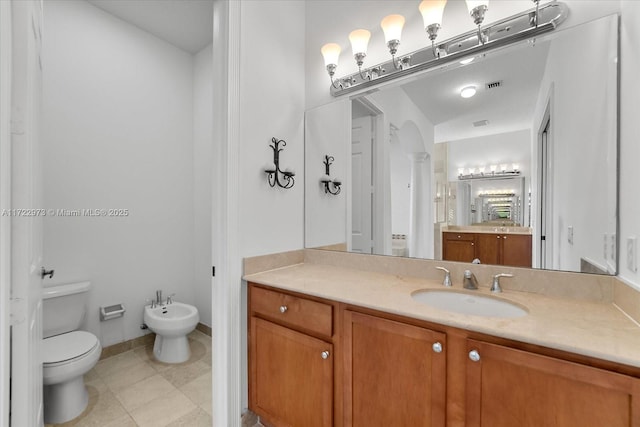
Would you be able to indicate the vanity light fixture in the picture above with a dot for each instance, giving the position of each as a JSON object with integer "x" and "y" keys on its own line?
{"x": 503, "y": 172}
{"x": 519, "y": 27}
{"x": 477, "y": 10}
{"x": 359, "y": 42}
{"x": 432, "y": 11}
{"x": 331, "y": 53}
{"x": 392, "y": 28}
{"x": 330, "y": 186}
{"x": 273, "y": 171}
{"x": 468, "y": 91}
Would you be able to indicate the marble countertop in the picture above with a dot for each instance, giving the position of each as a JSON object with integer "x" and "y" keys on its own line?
{"x": 599, "y": 330}
{"x": 481, "y": 229}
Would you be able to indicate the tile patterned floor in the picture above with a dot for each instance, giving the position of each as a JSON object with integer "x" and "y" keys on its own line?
{"x": 133, "y": 389}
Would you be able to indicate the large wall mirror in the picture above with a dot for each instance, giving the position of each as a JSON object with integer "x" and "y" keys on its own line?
{"x": 522, "y": 173}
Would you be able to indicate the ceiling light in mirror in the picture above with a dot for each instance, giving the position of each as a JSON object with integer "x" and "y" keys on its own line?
{"x": 467, "y": 61}
{"x": 468, "y": 91}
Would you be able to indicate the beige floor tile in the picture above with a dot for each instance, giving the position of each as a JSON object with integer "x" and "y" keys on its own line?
{"x": 124, "y": 421}
{"x": 164, "y": 410}
{"x": 181, "y": 374}
{"x": 128, "y": 376}
{"x": 112, "y": 365}
{"x": 199, "y": 391}
{"x": 197, "y": 418}
{"x": 106, "y": 410}
{"x": 144, "y": 392}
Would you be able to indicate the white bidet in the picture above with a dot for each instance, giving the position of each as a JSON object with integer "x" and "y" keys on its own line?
{"x": 171, "y": 323}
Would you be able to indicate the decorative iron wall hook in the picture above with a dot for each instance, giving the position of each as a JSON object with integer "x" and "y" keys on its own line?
{"x": 274, "y": 174}
{"x": 331, "y": 187}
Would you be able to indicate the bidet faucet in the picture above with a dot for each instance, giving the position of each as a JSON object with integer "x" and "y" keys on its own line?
{"x": 158, "y": 297}
{"x": 470, "y": 281}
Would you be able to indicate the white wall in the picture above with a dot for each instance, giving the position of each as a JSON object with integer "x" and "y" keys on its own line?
{"x": 202, "y": 179}
{"x": 272, "y": 75}
{"x": 271, "y": 105}
{"x": 629, "y": 131}
{"x": 117, "y": 133}
{"x": 583, "y": 138}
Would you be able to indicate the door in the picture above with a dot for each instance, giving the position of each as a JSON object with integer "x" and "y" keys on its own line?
{"x": 458, "y": 247}
{"x": 488, "y": 248}
{"x": 395, "y": 373}
{"x": 508, "y": 387}
{"x": 292, "y": 376}
{"x": 362, "y": 192}
{"x": 26, "y": 220}
{"x": 516, "y": 250}
{"x": 545, "y": 211}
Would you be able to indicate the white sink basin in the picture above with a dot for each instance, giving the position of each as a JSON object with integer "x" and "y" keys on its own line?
{"x": 467, "y": 303}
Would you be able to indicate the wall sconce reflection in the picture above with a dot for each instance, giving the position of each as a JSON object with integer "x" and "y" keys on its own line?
{"x": 276, "y": 176}
{"x": 330, "y": 186}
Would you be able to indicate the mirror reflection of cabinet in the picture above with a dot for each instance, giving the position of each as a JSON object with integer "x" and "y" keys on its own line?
{"x": 490, "y": 248}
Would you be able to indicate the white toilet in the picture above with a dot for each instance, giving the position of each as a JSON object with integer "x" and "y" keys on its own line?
{"x": 68, "y": 353}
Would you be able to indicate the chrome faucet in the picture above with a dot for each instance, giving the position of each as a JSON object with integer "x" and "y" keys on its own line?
{"x": 447, "y": 277}
{"x": 470, "y": 281}
{"x": 158, "y": 297}
{"x": 495, "y": 286}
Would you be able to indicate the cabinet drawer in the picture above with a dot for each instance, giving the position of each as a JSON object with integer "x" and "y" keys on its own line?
{"x": 298, "y": 312}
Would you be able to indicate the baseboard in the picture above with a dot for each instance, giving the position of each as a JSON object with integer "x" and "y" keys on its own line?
{"x": 114, "y": 350}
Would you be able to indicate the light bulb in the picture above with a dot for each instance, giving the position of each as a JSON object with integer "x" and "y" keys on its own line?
{"x": 432, "y": 11}
{"x": 493, "y": 168}
{"x": 359, "y": 41}
{"x": 330, "y": 53}
{"x": 503, "y": 167}
{"x": 515, "y": 166}
{"x": 472, "y": 4}
{"x": 392, "y": 27}
{"x": 460, "y": 171}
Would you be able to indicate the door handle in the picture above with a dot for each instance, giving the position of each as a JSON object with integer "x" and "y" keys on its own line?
{"x": 44, "y": 273}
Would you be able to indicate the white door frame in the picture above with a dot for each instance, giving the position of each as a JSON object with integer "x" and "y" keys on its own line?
{"x": 5, "y": 203}
{"x": 226, "y": 293}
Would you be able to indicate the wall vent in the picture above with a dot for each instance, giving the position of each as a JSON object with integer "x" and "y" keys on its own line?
{"x": 493, "y": 85}
{"x": 480, "y": 123}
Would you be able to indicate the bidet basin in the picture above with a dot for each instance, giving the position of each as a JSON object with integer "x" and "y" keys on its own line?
{"x": 171, "y": 323}
{"x": 468, "y": 303}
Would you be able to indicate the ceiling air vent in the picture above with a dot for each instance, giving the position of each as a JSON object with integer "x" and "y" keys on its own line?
{"x": 480, "y": 123}
{"x": 494, "y": 85}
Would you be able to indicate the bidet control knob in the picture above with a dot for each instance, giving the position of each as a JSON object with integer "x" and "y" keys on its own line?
{"x": 283, "y": 309}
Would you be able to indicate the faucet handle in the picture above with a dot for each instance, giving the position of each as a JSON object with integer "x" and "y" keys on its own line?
{"x": 495, "y": 286}
{"x": 170, "y": 298}
{"x": 447, "y": 277}
{"x": 151, "y": 301}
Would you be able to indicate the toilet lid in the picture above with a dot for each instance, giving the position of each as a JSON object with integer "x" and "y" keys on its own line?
{"x": 67, "y": 346}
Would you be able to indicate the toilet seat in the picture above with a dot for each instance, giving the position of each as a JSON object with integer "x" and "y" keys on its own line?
{"x": 64, "y": 348}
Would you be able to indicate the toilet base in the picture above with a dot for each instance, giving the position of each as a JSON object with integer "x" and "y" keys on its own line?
{"x": 65, "y": 401}
{"x": 171, "y": 349}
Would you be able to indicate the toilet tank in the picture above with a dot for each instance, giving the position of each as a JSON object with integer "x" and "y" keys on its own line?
{"x": 63, "y": 308}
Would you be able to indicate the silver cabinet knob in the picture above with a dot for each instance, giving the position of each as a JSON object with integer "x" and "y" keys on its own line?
{"x": 283, "y": 309}
{"x": 474, "y": 355}
{"x": 325, "y": 354}
{"x": 497, "y": 237}
{"x": 505, "y": 237}
{"x": 437, "y": 347}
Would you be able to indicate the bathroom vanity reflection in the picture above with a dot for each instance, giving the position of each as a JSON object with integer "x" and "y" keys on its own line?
{"x": 423, "y": 174}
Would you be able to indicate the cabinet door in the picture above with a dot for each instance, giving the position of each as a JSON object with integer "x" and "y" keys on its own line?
{"x": 507, "y": 388}
{"x": 291, "y": 378}
{"x": 516, "y": 250}
{"x": 393, "y": 376}
{"x": 458, "y": 247}
{"x": 488, "y": 248}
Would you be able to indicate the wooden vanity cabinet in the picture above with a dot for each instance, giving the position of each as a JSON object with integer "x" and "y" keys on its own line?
{"x": 506, "y": 387}
{"x": 395, "y": 373}
{"x": 458, "y": 246}
{"x": 319, "y": 363}
{"x": 291, "y": 360}
{"x": 490, "y": 248}
{"x": 504, "y": 249}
